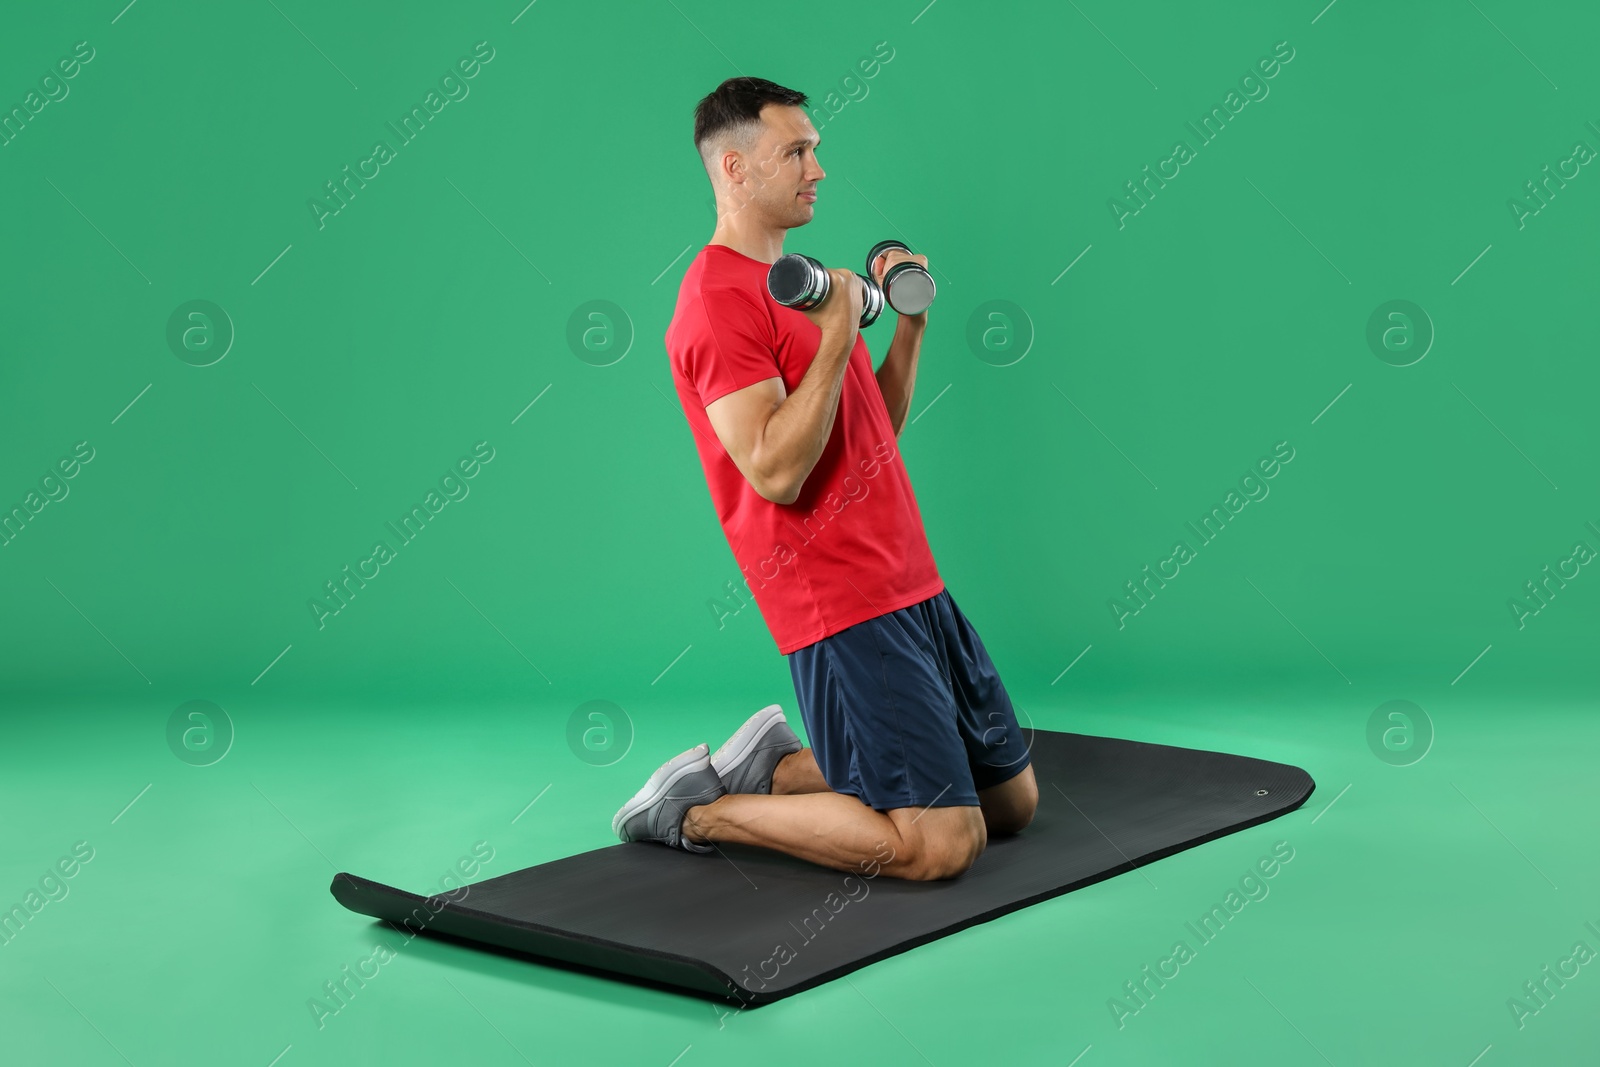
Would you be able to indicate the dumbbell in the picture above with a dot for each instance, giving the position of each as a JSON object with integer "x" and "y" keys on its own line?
{"x": 908, "y": 287}
{"x": 802, "y": 283}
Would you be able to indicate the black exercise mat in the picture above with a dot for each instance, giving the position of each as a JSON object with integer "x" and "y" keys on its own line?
{"x": 755, "y": 926}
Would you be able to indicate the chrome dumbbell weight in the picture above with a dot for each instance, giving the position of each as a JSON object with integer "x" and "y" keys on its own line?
{"x": 908, "y": 287}
{"x": 802, "y": 283}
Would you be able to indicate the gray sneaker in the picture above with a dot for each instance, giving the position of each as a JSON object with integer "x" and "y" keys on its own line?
{"x": 746, "y": 760}
{"x": 656, "y": 812}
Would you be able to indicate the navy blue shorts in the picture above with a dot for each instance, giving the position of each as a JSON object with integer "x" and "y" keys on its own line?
{"x": 906, "y": 710}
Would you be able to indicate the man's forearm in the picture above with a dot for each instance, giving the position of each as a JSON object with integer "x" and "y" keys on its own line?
{"x": 798, "y": 430}
{"x": 897, "y": 375}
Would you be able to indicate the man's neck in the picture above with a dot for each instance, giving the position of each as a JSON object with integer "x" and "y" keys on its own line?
{"x": 762, "y": 245}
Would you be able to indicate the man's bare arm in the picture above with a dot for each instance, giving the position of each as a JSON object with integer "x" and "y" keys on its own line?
{"x": 897, "y": 374}
{"x": 776, "y": 439}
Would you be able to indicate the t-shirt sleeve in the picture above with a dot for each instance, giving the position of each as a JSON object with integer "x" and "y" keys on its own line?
{"x": 735, "y": 347}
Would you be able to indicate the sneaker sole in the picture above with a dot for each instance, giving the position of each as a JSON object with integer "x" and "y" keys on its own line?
{"x": 655, "y": 788}
{"x": 723, "y": 762}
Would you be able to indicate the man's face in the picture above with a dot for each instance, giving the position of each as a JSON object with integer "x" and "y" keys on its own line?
{"x": 781, "y": 173}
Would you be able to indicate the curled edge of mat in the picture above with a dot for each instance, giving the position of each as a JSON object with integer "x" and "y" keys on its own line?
{"x": 606, "y": 958}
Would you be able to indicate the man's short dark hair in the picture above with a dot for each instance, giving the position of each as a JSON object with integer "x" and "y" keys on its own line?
{"x": 732, "y": 112}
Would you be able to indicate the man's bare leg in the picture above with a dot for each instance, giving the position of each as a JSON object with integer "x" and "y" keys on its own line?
{"x": 839, "y": 831}
{"x": 1007, "y": 807}
{"x": 798, "y": 773}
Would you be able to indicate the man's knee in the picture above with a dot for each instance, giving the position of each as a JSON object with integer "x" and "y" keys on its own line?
{"x": 1010, "y": 807}
{"x": 948, "y": 849}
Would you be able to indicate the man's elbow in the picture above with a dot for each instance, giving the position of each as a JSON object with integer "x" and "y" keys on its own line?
{"x": 770, "y": 479}
{"x": 779, "y": 491}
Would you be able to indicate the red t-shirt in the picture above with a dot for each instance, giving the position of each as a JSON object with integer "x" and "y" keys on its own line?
{"x": 851, "y": 547}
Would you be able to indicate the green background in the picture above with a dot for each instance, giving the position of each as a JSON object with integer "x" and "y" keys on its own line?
{"x": 434, "y": 311}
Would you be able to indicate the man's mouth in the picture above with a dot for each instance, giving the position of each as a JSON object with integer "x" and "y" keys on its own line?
{"x": 812, "y": 196}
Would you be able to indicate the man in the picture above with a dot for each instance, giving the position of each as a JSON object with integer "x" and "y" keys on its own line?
{"x": 916, "y": 749}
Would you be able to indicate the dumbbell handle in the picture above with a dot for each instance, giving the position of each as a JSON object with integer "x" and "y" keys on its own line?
{"x": 883, "y": 247}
